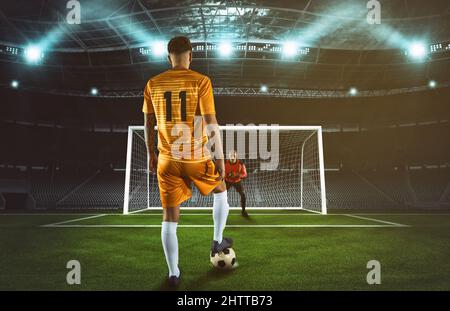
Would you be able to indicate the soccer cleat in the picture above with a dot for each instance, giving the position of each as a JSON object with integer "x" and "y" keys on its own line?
{"x": 173, "y": 282}
{"x": 244, "y": 213}
{"x": 217, "y": 248}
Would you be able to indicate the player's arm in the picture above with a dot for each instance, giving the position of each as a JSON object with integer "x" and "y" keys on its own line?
{"x": 149, "y": 129}
{"x": 149, "y": 125}
{"x": 214, "y": 135}
{"x": 208, "y": 111}
{"x": 243, "y": 172}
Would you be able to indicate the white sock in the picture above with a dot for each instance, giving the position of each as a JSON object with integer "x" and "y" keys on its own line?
{"x": 220, "y": 214}
{"x": 170, "y": 245}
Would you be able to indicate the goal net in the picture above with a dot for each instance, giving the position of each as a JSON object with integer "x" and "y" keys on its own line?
{"x": 284, "y": 165}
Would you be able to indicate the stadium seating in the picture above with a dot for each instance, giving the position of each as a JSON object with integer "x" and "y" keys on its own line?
{"x": 393, "y": 183}
{"x": 102, "y": 190}
{"x": 429, "y": 185}
{"x": 2, "y": 202}
{"x": 48, "y": 190}
{"x": 348, "y": 190}
{"x": 345, "y": 189}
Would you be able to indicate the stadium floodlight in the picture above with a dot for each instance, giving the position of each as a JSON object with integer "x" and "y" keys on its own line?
{"x": 14, "y": 84}
{"x": 94, "y": 91}
{"x": 225, "y": 49}
{"x": 353, "y": 91}
{"x": 417, "y": 50}
{"x": 158, "y": 48}
{"x": 33, "y": 54}
{"x": 264, "y": 88}
{"x": 432, "y": 84}
{"x": 290, "y": 49}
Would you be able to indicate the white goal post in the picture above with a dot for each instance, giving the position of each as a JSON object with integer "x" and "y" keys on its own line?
{"x": 285, "y": 169}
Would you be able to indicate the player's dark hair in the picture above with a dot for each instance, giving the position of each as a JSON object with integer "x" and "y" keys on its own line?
{"x": 178, "y": 45}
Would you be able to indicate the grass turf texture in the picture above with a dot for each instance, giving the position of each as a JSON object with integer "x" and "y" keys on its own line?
{"x": 416, "y": 257}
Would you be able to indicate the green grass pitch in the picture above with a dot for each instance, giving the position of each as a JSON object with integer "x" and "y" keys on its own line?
{"x": 276, "y": 250}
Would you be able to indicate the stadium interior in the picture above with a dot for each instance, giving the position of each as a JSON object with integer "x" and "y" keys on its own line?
{"x": 358, "y": 91}
{"x": 385, "y": 114}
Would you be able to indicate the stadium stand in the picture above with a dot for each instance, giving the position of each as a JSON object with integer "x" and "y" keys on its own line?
{"x": 346, "y": 189}
{"x": 2, "y": 202}
{"x": 430, "y": 184}
{"x": 445, "y": 198}
{"x": 394, "y": 184}
{"x": 48, "y": 189}
{"x": 59, "y": 156}
{"x": 102, "y": 190}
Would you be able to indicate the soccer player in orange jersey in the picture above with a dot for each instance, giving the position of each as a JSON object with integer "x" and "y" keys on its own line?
{"x": 175, "y": 101}
{"x": 235, "y": 172}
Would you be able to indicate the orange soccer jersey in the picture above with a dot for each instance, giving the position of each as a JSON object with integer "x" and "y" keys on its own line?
{"x": 176, "y": 97}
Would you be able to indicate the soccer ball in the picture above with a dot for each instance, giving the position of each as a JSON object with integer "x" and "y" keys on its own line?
{"x": 224, "y": 260}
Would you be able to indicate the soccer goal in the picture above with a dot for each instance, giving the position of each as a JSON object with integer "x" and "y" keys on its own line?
{"x": 284, "y": 164}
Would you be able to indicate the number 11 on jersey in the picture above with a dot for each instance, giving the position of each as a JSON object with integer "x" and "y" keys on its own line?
{"x": 168, "y": 98}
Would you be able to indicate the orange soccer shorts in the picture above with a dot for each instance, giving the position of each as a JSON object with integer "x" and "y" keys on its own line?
{"x": 174, "y": 180}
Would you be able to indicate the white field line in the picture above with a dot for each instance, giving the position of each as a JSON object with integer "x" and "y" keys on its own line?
{"x": 231, "y": 208}
{"x": 73, "y": 220}
{"x": 384, "y": 224}
{"x": 181, "y": 214}
{"x": 233, "y": 214}
{"x": 198, "y": 214}
{"x": 228, "y": 226}
{"x": 50, "y": 214}
{"x": 289, "y": 214}
{"x": 256, "y": 214}
{"x": 377, "y": 220}
{"x": 404, "y": 214}
{"x": 135, "y": 212}
{"x": 209, "y": 215}
{"x": 311, "y": 211}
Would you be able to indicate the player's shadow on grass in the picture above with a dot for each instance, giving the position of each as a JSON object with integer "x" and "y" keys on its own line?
{"x": 247, "y": 217}
{"x": 165, "y": 286}
{"x": 210, "y": 275}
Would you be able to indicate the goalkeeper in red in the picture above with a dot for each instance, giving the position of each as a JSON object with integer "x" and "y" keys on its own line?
{"x": 235, "y": 172}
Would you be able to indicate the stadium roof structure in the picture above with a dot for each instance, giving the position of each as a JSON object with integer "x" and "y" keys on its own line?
{"x": 336, "y": 48}
{"x": 117, "y": 24}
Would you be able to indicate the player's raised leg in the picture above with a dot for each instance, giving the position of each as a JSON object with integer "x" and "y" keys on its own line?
{"x": 220, "y": 216}
{"x": 207, "y": 178}
{"x": 220, "y": 206}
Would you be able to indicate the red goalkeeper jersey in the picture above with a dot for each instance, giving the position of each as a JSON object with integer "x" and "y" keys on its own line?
{"x": 235, "y": 172}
